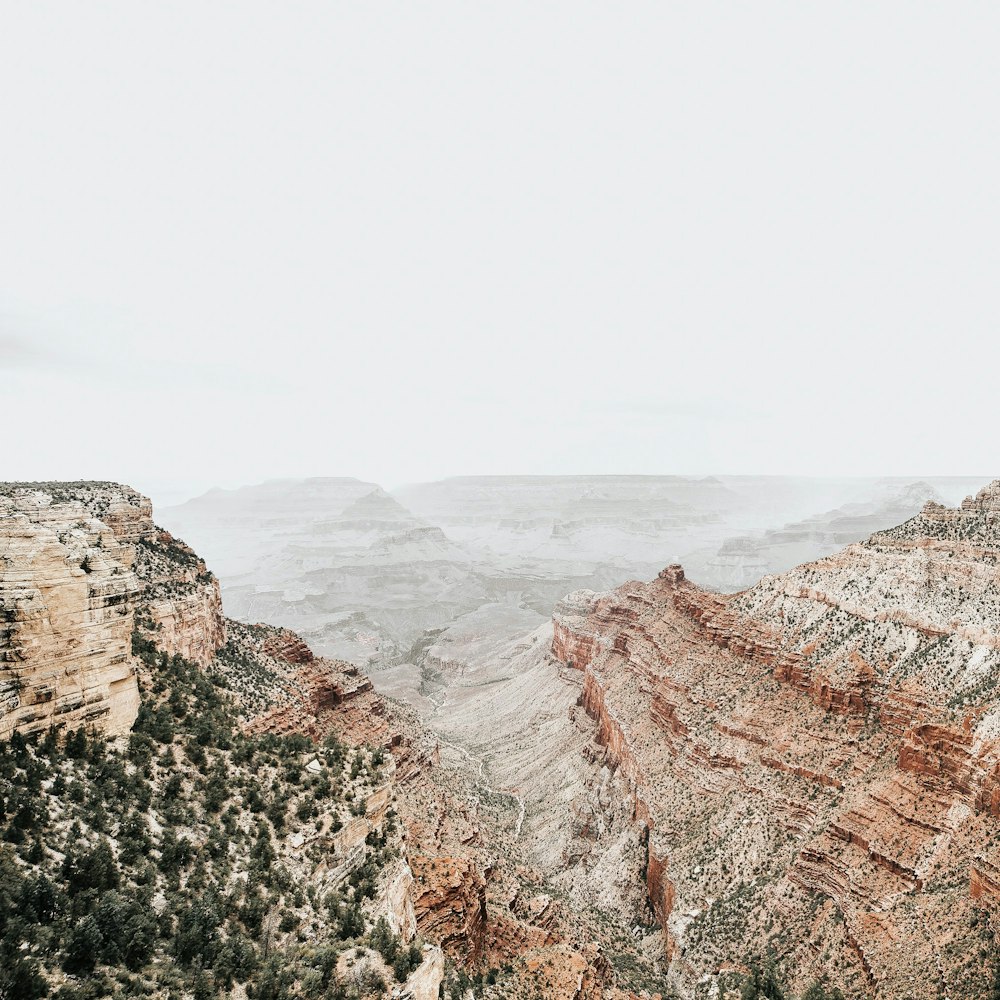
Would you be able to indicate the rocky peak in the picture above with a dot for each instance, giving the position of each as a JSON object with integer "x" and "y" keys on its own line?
{"x": 377, "y": 501}
{"x": 987, "y": 499}
{"x": 672, "y": 574}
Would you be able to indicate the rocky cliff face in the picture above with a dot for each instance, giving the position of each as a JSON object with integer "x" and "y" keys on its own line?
{"x": 81, "y": 566}
{"x": 67, "y": 603}
{"x": 815, "y": 760}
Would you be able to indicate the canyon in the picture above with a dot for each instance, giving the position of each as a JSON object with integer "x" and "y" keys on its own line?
{"x": 646, "y": 791}
{"x": 75, "y": 661}
{"x": 807, "y": 768}
{"x": 363, "y": 574}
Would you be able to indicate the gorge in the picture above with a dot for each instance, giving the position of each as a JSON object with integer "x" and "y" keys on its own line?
{"x": 654, "y": 790}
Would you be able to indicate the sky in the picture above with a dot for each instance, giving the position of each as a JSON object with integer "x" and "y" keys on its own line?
{"x": 402, "y": 241}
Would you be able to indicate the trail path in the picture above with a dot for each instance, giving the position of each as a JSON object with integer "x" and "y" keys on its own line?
{"x": 480, "y": 763}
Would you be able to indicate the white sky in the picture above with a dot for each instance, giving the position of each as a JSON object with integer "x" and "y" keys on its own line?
{"x": 404, "y": 241}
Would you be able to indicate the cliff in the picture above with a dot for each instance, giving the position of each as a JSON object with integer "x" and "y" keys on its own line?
{"x": 815, "y": 760}
{"x": 82, "y": 566}
{"x": 181, "y": 606}
{"x": 67, "y": 601}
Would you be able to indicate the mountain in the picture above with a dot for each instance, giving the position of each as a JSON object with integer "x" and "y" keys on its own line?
{"x": 579, "y": 521}
{"x": 369, "y": 576}
{"x": 362, "y": 584}
{"x": 338, "y": 560}
{"x": 221, "y": 523}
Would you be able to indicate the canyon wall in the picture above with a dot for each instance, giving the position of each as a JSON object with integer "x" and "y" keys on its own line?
{"x": 67, "y": 602}
{"x": 82, "y": 566}
{"x": 816, "y": 759}
{"x": 181, "y": 602}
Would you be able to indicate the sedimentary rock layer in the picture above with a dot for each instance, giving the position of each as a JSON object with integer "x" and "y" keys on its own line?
{"x": 815, "y": 759}
{"x": 82, "y": 566}
{"x": 67, "y": 599}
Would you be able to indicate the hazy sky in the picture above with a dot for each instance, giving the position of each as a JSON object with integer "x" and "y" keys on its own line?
{"x": 404, "y": 241}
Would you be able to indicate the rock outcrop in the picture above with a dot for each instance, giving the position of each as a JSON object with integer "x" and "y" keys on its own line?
{"x": 67, "y": 602}
{"x": 814, "y": 760}
{"x": 82, "y": 566}
{"x": 181, "y": 601}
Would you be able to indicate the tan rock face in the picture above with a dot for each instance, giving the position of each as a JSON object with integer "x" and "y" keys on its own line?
{"x": 190, "y": 623}
{"x": 81, "y": 566}
{"x": 400, "y": 911}
{"x": 816, "y": 759}
{"x": 426, "y": 979}
{"x": 67, "y": 598}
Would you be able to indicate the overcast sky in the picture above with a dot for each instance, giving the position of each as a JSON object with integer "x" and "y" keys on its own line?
{"x": 405, "y": 241}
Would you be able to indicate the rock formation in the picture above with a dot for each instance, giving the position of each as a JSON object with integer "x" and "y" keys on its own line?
{"x": 67, "y": 602}
{"x": 82, "y": 566}
{"x": 814, "y": 760}
{"x": 340, "y": 561}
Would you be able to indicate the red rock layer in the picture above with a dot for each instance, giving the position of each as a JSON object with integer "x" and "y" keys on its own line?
{"x": 816, "y": 760}
{"x": 286, "y": 645}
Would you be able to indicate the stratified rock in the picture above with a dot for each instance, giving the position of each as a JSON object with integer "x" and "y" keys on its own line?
{"x": 816, "y": 760}
{"x": 182, "y": 605}
{"x": 82, "y": 566}
{"x": 574, "y": 642}
{"x": 67, "y": 603}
